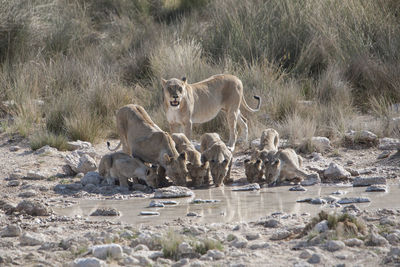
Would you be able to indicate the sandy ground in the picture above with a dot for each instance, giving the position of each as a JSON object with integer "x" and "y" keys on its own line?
{"x": 274, "y": 239}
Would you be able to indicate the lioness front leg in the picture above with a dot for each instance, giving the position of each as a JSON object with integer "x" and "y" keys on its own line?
{"x": 232, "y": 123}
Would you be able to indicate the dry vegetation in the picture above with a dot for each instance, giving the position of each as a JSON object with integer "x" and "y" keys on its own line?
{"x": 84, "y": 59}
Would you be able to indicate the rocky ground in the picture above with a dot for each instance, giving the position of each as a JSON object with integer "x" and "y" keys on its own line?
{"x": 32, "y": 234}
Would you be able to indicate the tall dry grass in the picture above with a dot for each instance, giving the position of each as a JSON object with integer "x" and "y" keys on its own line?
{"x": 67, "y": 66}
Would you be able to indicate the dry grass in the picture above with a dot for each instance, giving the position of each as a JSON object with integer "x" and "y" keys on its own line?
{"x": 85, "y": 59}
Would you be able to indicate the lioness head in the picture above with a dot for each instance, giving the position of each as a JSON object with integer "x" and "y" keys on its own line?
{"x": 272, "y": 170}
{"x": 254, "y": 170}
{"x": 176, "y": 168}
{"x": 174, "y": 90}
{"x": 198, "y": 173}
{"x": 152, "y": 177}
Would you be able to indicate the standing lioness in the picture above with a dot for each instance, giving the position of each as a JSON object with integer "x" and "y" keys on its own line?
{"x": 200, "y": 102}
{"x": 142, "y": 138}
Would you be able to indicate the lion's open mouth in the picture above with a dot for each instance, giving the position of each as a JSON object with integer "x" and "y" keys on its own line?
{"x": 174, "y": 103}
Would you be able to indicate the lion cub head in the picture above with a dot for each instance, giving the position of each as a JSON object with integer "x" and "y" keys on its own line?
{"x": 254, "y": 170}
{"x": 199, "y": 173}
{"x": 176, "y": 168}
{"x": 174, "y": 91}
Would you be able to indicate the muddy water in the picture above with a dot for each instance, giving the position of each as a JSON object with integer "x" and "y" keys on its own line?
{"x": 233, "y": 206}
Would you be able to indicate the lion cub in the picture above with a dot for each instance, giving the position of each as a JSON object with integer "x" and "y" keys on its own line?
{"x": 121, "y": 166}
{"x": 254, "y": 167}
{"x": 283, "y": 165}
{"x": 219, "y": 156}
{"x": 198, "y": 171}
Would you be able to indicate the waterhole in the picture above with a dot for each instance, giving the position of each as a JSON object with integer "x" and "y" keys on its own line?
{"x": 233, "y": 206}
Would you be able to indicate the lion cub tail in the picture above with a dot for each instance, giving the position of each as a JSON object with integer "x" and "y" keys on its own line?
{"x": 244, "y": 104}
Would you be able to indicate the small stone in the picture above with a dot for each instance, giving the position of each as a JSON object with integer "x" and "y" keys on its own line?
{"x": 201, "y": 201}
{"x": 315, "y": 258}
{"x": 169, "y": 202}
{"x": 215, "y": 254}
{"x": 91, "y": 178}
{"x": 31, "y": 239}
{"x": 351, "y": 208}
{"x": 318, "y": 201}
{"x": 239, "y": 242}
{"x": 156, "y": 204}
{"x": 339, "y": 192}
{"x": 27, "y": 194}
{"x": 249, "y": 187}
{"x": 311, "y": 179}
{"x": 14, "y": 148}
{"x": 321, "y": 143}
{"x": 376, "y": 188}
{"x": 384, "y": 154}
{"x": 108, "y": 250}
{"x": 353, "y": 242}
{"x": 35, "y": 175}
{"x": 141, "y": 247}
{"x": 334, "y": 245}
{"x": 88, "y": 262}
{"x": 305, "y": 254}
{"x": 185, "y": 248}
{"x": 280, "y": 234}
{"x": 149, "y": 213}
{"x": 367, "y": 181}
{"x": 173, "y": 192}
{"x": 74, "y": 186}
{"x": 81, "y": 163}
{"x": 297, "y": 188}
{"x": 11, "y": 231}
{"x": 46, "y": 150}
{"x": 75, "y": 145}
{"x": 192, "y": 214}
{"x": 181, "y": 262}
{"x": 130, "y": 261}
{"x": 322, "y": 226}
{"x": 105, "y": 212}
{"x": 388, "y": 221}
{"x": 389, "y": 144}
{"x": 13, "y": 183}
{"x": 377, "y": 240}
{"x": 32, "y": 208}
{"x": 349, "y": 200}
{"x": 258, "y": 245}
{"x": 253, "y": 236}
{"x": 393, "y": 238}
{"x": 68, "y": 170}
{"x": 336, "y": 172}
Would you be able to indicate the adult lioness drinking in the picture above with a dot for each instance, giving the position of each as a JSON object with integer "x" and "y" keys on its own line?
{"x": 200, "y": 102}
{"x": 142, "y": 138}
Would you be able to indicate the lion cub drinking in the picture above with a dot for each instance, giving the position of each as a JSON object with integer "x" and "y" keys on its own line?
{"x": 142, "y": 138}
{"x": 219, "y": 156}
{"x": 283, "y": 165}
{"x": 198, "y": 171}
{"x": 185, "y": 104}
{"x": 121, "y": 166}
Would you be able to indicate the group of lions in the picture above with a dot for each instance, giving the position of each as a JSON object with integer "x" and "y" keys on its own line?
{"x": 151, "y": 155}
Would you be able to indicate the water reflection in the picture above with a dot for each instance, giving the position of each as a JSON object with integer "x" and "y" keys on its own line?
{"x": 233, "y": 205}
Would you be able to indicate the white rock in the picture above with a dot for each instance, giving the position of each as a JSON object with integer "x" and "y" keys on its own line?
{"x": 185, "y": 248}
{"x": 88, "y": 262}
{"x": 173, "y": 192}
{"x": 32, "y": 208}
{"x": 315, "y": 258}
{"x": 349, "y": 200}
{"x": 91, "y": 178}
{"x": 14, "y": 148}
{"x": 74, "y": 145}
{"x": 31, "y": 239}
{"x": 13, "y": 183}
{"x": 46, "y": 150}
{"x": 130, "y": 261}
{"x": 378, "y": 240}
{"x": 36, "y": 175}
{"x": 376, "y": 188}
{"x": 389, "y": 144}
{"x": 322, "y": 226}
{"x": 78, "y": 163}
{"x": 149, "y": 213}
{"x": 321, "y": 143}
{"x": 353, "y": 242}
{"x": 365, "y": 137}
{"x": 11, "y": 231}
{"x": 141, "y": 247}
{"x": 334, "y": 245}
{"x": 280, "y": 234}
{"x": 27, "y": 193}
{"x": 258, "y": 245}
{"x": 311, "y": 179}
{"x": 249, "y": 187}
{"x": 102, "y": 251}
{"x": 253, "y": 236}
{"x": 305, "y": 254}
{"x": 215, "y": 254}
{"x": 336, "y": 172}
{"x": 367, "y": 181}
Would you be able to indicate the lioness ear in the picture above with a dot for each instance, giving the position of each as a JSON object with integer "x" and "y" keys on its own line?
{"x": 276, "y": 162}
{"x": 167, "y": 158}
{"x": 164, "y": 82}
{"x": 184, "y": 79}
{"x": 246, "y": 161}
{"x": 183, "y": 156}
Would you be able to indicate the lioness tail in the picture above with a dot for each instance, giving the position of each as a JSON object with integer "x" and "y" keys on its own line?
{"x": 113, "y": 149}
{"x": 244, "y": 104}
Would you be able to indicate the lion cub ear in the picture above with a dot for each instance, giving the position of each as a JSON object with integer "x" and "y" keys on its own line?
{"x": 183, "y": 156}
{"x": 184, "y": 80}
{"x": 164, "y": 82}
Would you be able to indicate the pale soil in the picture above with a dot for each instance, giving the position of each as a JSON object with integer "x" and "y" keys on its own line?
{"x": 67, "y": 238}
